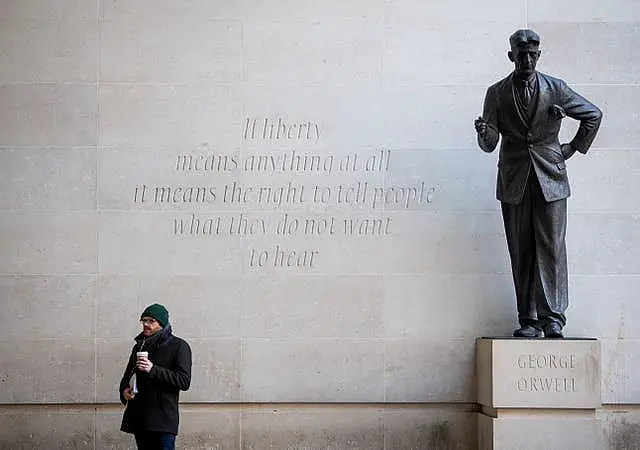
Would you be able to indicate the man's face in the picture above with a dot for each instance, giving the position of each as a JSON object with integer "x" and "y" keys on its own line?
{"x": 525, "y": 58}
{"x": 150, "y": 326}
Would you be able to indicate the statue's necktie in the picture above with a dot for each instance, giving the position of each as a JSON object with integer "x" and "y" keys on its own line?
{"x": 527, "y": 93}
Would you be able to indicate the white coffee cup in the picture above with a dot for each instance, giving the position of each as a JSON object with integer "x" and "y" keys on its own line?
{"x": 140, "y": 355}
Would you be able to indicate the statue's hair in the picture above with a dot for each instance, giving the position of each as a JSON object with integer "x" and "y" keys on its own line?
{"x": 524, "y": 37}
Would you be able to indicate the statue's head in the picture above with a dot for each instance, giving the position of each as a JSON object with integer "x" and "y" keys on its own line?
{"x": 525, "y": 51}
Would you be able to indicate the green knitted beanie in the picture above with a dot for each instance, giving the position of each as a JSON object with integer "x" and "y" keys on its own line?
{"x": 158, "y": 312}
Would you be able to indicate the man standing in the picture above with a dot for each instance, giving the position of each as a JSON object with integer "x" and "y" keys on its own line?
{"x": 526, "y": 109}
{"x": 159, "y": 368}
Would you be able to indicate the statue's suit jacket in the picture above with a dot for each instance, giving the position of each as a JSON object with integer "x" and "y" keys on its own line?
{"x": 533, "y": 141}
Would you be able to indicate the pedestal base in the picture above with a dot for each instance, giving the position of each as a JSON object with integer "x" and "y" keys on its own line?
{"x": 538, "y": 394}
{"x": 538, "y": 432}
{"x": 538, "y": 373}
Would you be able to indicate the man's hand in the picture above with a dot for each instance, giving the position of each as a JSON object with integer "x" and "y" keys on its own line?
{"x": 128, "y": 394}
{"x": 144, "y": 365}
{"x": 481, "y": 126}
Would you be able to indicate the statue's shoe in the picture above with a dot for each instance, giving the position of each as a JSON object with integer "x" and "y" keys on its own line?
{"x": 527, "y": 331}
{"x": 553, "y": 331}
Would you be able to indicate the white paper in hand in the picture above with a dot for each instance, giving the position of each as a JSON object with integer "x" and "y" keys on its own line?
{"x": 132, "y": 384}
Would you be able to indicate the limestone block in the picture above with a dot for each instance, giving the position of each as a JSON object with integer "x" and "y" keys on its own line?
{"x": 601, "y": 179}
{"x": 430, "y": 427}
{"x": 589, "y": 315}
{"x": 310, "y": 11}
{"x": 349, "y": 120}
{"x": 317, "y": 370}
{"x": 479, "y": 301}
{"x": 107, "y": 429}
{"x": 543, "y": 373}
{"x": 111, "y": 360}
{"x": 171, "y": 50}
{"x": 48, "y": 115}
{"x": 54, "y": 51}
{"x": 313, "y": 306}
{"x": 575, "y": 11}
{"x": 58, "y": 429}
{"x": 147, "y": 10}
{"x": 70, "y": 176}
{"x": 304, "y": 10}
{"x": 215, "y": 428}
{"x": 312, "y": 427}
{"x": 465, "y": 12}
{"x": 216, "y": 371}
{"x": 544, "y": 432}
{"x": 47, "y": 371}
{"x": 43, "y": 242}
{"x": 62, "y": 10}
{"x": 38, "y": 307}
{"x": 605, "y": 62}
{"x": 428, "y": 62}
{"x": 169, "y": 116}
{"x": 616, "y": 103}
{"x": 147, "y": 244}
{"x": 457, "y": 180}
{"x": 429, "y": 370}
{"x": 200, "y": 306}
{"x": 352, "y": 54}
{"x": 620, "y": 363}
{"x": 621, "y": 427}
{"x": 431, "y": 115}
{"x": 599, "y": 244}
{"x": 444, "y": 243}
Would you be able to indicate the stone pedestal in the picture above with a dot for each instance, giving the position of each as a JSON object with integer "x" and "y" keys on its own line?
{"x": 538, "y": 393}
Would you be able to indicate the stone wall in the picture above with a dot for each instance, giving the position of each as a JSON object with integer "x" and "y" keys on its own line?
{"x": 298, "y": 182}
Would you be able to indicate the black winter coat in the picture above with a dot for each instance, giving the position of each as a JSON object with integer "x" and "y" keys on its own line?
{"x": 155, "y": 406}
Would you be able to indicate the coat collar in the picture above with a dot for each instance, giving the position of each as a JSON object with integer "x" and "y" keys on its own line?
{"x": 155, "y": 340}
{"x": 544, "y": 100}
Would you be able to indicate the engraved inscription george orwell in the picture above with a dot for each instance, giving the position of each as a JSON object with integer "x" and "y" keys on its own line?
{"x": 556, "y": 372}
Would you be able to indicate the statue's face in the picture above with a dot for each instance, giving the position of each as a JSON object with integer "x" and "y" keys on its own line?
{"x": 525, "y": 59}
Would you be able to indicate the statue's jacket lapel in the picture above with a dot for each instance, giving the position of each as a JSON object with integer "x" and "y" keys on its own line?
{"x": 529, "y": 144}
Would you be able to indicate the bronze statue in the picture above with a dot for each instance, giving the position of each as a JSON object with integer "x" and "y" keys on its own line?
{"x": 525, "y": 111}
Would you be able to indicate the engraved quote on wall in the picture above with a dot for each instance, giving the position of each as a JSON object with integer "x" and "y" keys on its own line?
{"x": 281, "y": 167}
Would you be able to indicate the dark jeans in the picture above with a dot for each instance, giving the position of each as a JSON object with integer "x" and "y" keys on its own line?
{"x": 155, "y": 441}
